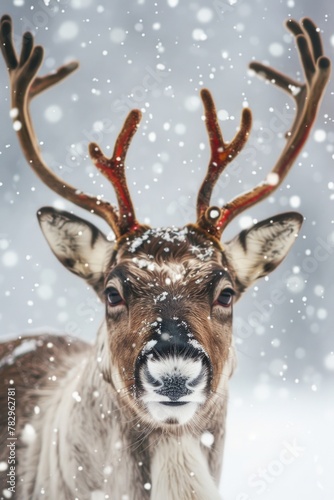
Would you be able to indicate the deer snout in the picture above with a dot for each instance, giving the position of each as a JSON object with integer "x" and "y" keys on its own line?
{"x": 173, "y": 376}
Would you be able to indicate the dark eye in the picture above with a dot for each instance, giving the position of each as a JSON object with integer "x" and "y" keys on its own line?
{"x": 113, "y": 297}
{"x": 225, "y": 297}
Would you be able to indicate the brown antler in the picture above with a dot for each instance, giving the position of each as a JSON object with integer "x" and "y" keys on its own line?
{"x": 114, "y": 170}
{"x": 307, "y": 97}
{"x": 24, "y": 86}
{"x": 222, "y": 154}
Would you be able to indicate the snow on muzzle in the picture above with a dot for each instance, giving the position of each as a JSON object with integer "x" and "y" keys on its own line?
{"x": 173, "y": 374}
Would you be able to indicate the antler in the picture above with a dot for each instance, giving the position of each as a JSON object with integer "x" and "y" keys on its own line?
{"x": 24, "y": 86}
{"x": 114, "y": 170}
{"x": 307, "y": 96}
{"x": 222, "y": 154}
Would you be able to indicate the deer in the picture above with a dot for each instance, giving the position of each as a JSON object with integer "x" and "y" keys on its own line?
{"x": 140, "y": 414}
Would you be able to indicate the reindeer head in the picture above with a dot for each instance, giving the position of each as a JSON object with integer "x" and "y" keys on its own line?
{"x": 166, "y": 342}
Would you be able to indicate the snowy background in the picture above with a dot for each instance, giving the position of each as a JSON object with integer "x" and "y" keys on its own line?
{"x": 156, "y": 56}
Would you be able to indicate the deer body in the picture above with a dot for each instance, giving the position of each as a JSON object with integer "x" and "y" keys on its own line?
{"x": 88, "y": 422}
{"x": 141, "y": 413}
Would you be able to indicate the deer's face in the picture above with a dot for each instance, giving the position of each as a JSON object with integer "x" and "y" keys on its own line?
{"x": 169, "y": 298}
{"x": 166, "y": 340}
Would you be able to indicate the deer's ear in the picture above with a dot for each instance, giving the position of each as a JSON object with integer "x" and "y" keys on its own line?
{"x": 78, "y": 244}
{"x": 257, "y": 251}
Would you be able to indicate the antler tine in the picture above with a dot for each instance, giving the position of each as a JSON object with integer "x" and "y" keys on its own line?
{"x": 24, "y": 86}
{"x": 222, "y": 154}
{"x": 307, "y": 96}
{"x": 114, "y": 170}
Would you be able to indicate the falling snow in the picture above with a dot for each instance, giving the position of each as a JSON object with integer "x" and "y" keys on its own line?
{"x": 199, "y": 35}
{"x": 283, "y": 326}
{"x": 273, "y": 179}
{"x": 319, "y": 135}
{"x": 17, "y": 125}
{"x": 205, "y": 15}
{"x": 192, "y": 103}
{"x": 28, "y": 434}
{"x": 53, "y": 114}
{"x": 295, "y": 201}
{"x": 10, "y": 258}
{"x": 149, "y": 346}
{"x": 276, "y": 49}
{"x": 68, "y": 30}
{"x": 207, "y": 439}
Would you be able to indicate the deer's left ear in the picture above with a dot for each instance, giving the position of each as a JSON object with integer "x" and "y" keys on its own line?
{"x": 78, "y": 244}
{"x": 257, "y": 251}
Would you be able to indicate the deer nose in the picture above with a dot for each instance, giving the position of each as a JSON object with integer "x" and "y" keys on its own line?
{"x": 173, "y": 337}
{"x": 172, "y": 386}
{"x": 173, "y": 366}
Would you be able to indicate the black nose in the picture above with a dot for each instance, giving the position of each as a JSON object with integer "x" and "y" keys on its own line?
{"x": 174, "y": 387}
{"x": 174, "y": 338}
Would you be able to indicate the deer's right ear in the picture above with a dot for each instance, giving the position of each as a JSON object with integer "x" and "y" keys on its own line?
{"x": 78, "y": 244}
{"x": 257, "y": 251}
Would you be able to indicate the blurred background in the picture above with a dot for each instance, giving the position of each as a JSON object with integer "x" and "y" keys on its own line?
{"x": 156, "y": 57}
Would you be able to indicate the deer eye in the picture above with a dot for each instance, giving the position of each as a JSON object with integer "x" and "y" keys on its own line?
{"x": 225, "y": 297}
{"x": 113, "y": 297}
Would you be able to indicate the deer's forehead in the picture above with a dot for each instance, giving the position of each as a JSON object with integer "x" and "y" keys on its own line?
{"x": 173, "y": 271}
{"x": 170, "y": 244}
{"x": 167, "y": 256}
{"x": 142, "y": 273}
